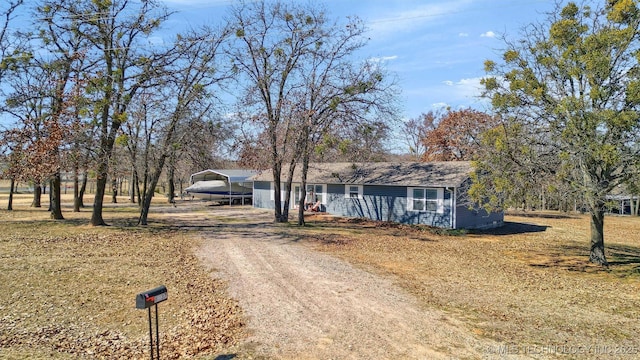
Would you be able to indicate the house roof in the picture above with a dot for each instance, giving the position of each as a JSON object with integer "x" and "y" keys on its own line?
{"x": 231, "y": 175}
{"x": 436, "y": 174}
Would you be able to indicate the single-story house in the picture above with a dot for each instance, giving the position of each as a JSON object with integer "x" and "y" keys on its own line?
{"x": 406, "y": 192}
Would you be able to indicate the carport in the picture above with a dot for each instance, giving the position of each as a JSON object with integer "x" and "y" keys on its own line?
{"x": 233, "y": 178}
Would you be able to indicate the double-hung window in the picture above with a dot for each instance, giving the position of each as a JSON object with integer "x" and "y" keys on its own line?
{"x": 426, "y": 199}
{"x": 353, "y": 191}
{"x": 315, "y": 192}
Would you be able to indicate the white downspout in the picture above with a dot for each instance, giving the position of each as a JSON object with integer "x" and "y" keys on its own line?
{"x": 453, "y": 207}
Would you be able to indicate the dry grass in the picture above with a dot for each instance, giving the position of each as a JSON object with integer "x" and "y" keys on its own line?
{"x": 527, "y": 285}
{"x": 67, "y": 290}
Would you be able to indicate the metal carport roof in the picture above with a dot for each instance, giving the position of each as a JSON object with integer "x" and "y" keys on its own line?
{"x": 231, "y": 175}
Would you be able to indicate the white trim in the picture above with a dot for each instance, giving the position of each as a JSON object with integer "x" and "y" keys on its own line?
{"x": 454, "y": 208}
{"x": 323, "y": 193}
{"x": 347, "y": 191}
{"x": 439, "y": 199}
{"x": 272, "y": 191}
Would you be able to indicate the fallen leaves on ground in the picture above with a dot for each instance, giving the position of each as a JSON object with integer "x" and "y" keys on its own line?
{"x": 528, "y": 283}
{"x": 69, "y": 292}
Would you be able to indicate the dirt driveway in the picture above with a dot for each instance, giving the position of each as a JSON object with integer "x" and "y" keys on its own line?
{"x": 301, "y": 303}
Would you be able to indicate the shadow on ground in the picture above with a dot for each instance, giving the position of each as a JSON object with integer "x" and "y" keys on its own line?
{"x": 541, "y": 215}
{"x": 512, "y": 228}
{"x": 623, "y": 260}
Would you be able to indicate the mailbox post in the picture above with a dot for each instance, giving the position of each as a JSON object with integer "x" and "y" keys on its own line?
{"x": 146, "y": 300}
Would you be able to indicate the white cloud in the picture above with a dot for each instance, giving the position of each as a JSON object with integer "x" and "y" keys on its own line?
{"x": 489, "y": 34}
{"x": 448, "y": 82}
{"x": 463, "y": 34}
{"x": 383, "y": 58}
{"x": 439, "y": 105}
{"x": 416, "y": 17}
{"x": 468, "y": 88}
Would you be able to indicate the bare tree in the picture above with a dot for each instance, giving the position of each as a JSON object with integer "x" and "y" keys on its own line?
{"x": 338, "y": 94}
{"x": 122, "y": 65}
{"x": 415, "y": 131}
{"x": 10, "y": 49}
{"x": 297, "y": 76}
{"x": 190, "y": 76}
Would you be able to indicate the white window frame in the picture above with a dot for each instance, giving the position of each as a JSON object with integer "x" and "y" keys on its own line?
{"x": 439, "y": 200}
{"x": 323, "y": 194}
{"x": 273, "y": 191}
{"x": 348, "y": 192}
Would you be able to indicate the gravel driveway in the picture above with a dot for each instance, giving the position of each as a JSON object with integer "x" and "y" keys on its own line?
{"x": 301, "y": 303}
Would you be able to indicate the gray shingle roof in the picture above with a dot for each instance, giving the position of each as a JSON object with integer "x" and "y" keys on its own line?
{"x": 435, "y": 174}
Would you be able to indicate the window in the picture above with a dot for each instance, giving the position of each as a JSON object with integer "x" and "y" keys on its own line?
{"x": 297, "y": 194}
{"x": 418, "y": 200}
{"x": 315, "y": 192}
{"x": 353, "y": 191}
{"x": 272, "y": 189}
{"x": 425, "y": 199}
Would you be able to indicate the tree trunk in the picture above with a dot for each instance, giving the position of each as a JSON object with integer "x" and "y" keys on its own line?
{"x": 134, "y": 180}
{"x": 83, "y": 188}
{"x": 303, "y": 198}
{"x": 98, "y": 200}
{"x": 76, "y": 190}
{"x": 148, "y": 194}
{"x": 277, "y": 189}
{"x": 114, "y": 190}
{"x": 50, "y": 195}
{"x": 55, "y": 195}
{"x": 37, "y": 195}
{"x": 597, "y": 238}
{"x": 138, "y": 192}
{"x": 11, "y": 190}
{"x": 284, "y": 217}
{"x": 172, "y": 185}
{"x": 287, "y": 195}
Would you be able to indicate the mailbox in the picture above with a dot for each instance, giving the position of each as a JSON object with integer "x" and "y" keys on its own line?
{"x": 152, "y": 297}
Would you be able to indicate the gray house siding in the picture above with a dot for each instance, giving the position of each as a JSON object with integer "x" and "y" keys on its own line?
{"x": 477, "y": 219}
{"x": 262, "y": 195}
{"x": 384, "y": 203}
{"x": 386, "y": 191}
{"x": 388, "y": 203}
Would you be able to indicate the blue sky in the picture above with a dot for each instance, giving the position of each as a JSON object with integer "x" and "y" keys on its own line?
{"x": 436, "y": 47}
